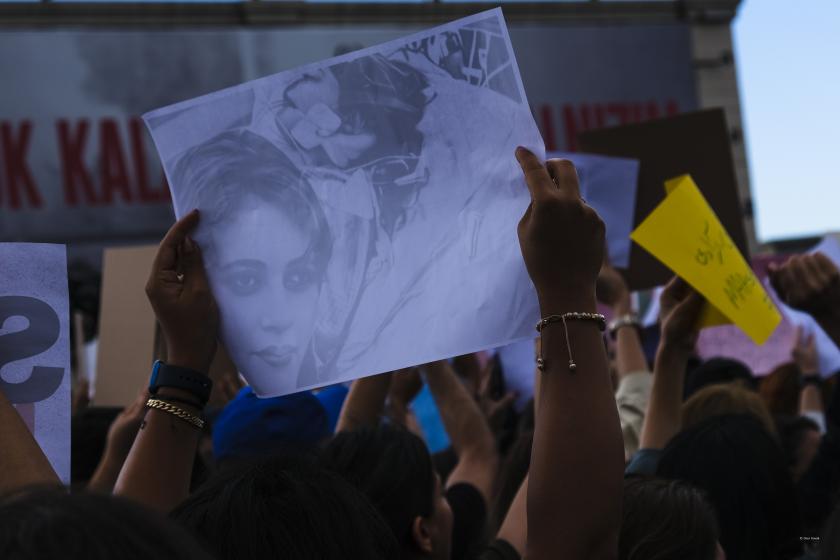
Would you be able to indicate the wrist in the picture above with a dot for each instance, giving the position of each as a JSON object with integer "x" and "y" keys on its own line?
{"x": 582, "y": 301}
{"x": 194, "y": 361}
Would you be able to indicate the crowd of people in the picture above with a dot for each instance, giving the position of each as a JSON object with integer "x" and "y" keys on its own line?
{"x": 615, "y": 457}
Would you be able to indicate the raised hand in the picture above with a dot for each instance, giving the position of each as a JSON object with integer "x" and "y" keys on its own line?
{"x": 562, "y": 239}
{"x": 804, "y": 353}
{"x": 810, "y": 283}
{"x": 180, "y": 295}
{"x": 680, "y": 308}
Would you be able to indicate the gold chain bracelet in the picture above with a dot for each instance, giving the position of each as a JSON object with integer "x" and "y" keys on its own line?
{"x": 572, "y": 316}
{"x": 175, "y": 411}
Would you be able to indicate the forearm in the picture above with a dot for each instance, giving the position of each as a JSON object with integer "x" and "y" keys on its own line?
{"x": 364, "y": 404}
{"x": 663, "y": 418}
{"x": 22, "y": 462}
{"x": 158, "y": 470}
{"x": 465, "y": 424}
{"x": 810, "y": 399}
{"x": 514, "y": 528}
{"x": 574, "y": 494}
{"x": 629, "y": 353}
{"x": 107, "y": 472}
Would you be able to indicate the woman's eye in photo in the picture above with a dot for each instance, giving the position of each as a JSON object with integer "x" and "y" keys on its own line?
{"x": 298, "y": 277}
{"x": 243, "y": 282}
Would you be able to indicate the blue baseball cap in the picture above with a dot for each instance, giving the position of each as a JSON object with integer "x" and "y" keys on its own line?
{"x": 250, "y": 427}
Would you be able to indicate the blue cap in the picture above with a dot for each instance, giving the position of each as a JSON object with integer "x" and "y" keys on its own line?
{"x": 332, "y": 399}
{"x": 250, "y": 427}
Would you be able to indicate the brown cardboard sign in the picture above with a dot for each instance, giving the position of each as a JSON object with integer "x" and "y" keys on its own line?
{"x": 697, "y": 144}
{"x": 127, "y": 338}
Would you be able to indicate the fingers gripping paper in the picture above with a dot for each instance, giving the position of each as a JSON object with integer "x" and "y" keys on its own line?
{"x": 685, "y": 234}
{"x": 359, "y": 214}
{"x": 35, "y": 344}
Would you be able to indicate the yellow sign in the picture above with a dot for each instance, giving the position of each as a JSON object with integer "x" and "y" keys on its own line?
{"x": 685, "y": 234}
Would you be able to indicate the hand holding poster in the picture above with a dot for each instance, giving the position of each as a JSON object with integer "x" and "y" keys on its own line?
{"x": 685, "y": 234}
{"x": 35, "y": 344}
{"x": 359, "y": 214}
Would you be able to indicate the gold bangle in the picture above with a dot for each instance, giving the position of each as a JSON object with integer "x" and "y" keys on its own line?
{"x": 169, "y": 408}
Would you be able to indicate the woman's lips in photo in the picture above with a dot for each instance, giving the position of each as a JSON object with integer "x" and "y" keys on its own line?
{"x": 276, "y": 356}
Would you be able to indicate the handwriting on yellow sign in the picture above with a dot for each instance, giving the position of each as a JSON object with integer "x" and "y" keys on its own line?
{"x": 685, "y": 234}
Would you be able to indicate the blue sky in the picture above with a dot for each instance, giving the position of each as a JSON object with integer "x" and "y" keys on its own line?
{"x": 788, "y": 57}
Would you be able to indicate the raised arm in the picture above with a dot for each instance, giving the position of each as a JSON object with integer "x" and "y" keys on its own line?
{"x": 811, "y": 283}
{"x": 158, "y": 468}
{"x": 22, "y": 463}
{"x": 466, "y": 426}
{"x": 575, "y": 482}
{"x": 365, "y": 403}
{"x": 680, "y": 311}
{"x": 612, "y": 291}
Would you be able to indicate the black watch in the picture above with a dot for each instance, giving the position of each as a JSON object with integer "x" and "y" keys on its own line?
{"x": 191, "y": 381}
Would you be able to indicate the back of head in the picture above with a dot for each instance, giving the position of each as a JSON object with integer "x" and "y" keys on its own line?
{"x": 50, "y": 523}
{"x": 780, "y": 390}
{"x": 285, "y": 508}
{"x": 666, "y": 520}
{"x": 725, "y": 398}
{"x": 717, "y": 370}
{"x": 742, "y": 470}
{"x": 392, "y": 467}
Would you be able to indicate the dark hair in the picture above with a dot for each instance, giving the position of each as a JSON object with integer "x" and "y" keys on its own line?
{"x": 666, "y": 520}
{"x": 218, "y": 175}
{"x": 717, "y": 370}
{"x": 392, "y": 467}
{"x": 50, "y": 523}
{"x": 387, "y": 98}
{"x": 743, "y": 472}
{"x": 285, "y": 507}
{"x": 830, "y": 541}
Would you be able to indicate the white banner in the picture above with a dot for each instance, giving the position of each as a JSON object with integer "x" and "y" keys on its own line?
{"x": 76, "y": 163}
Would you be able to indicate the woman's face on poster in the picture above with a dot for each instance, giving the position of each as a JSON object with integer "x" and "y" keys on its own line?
{"x": 265, "y": 288}
{"x": 314, "y": 122}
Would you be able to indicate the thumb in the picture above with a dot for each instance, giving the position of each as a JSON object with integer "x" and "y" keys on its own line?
{"x": 192, "y": 264}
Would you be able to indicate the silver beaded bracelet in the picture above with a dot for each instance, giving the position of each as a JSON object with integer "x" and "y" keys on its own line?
{"x": 571, "y": 316}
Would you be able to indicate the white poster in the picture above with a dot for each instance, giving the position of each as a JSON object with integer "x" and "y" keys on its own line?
{"x": 609, "y": 184}
{"x": 35, "y": 344}
{"x": 359, "y": 214}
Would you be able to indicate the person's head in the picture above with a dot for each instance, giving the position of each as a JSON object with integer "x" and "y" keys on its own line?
{"x": 800, "y": 438}
{"x": 725, "y": 398}
{"x": 742, "y": 470}
{"x": 393, "y": 468}
{"x": 50, "y": 523}
{"x": 266, "y": 245}
{"x": 667, "y": 520}
{"x": 249, "y": 427}
{"x": 717, "y": 370}
{"x": 780, "y": 390}
{"x": 286, "y": 508}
